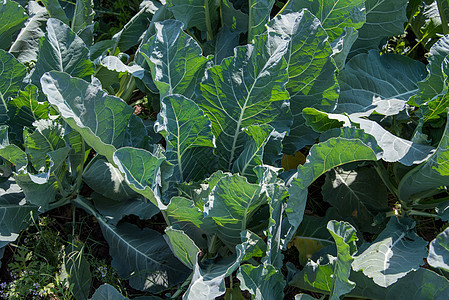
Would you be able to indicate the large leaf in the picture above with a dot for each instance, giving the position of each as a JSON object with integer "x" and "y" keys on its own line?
{"x": 397, "y": 251}
{"x": 202, "y": 14}
{"x": 252, "y": 155}
{"x": 334, "y": 15}
{"x": 384, "y": 18}
{"x": 429, "y": 176}
{"x": 358, "y": 193}
{"x": 142, "y": 256}
{"x": 83, "y": 15}
{"x": 208, "y": 281}
{"x": 321, "y": 121}
{"x": 259, "y": 15}
{"x": 246, "y": 89}
{"x": 394, "y": 147}
{"x": 113, "y": 63}
{"x": 263, "y": 281}
{"x": 174, "y": 58}
{"x": 131, "y": 34}
{"x": 15, "y": 214}
{"x": 231, "y": 204}
{"x": 308, "y": 52}
{"x": 233, "y": 19}
{"x": 199, "y": 192}
{"x": 315, "y": 276}
{"x": 98, "y": 50}
{"x": 439, "y": 251}
{"x": 436, "y": 107}
{"x": 373, "y": 83}
{"x": 11, "y": 152}
{"x": 418, "y": 285}
{"x": 40, "y": 194}
{"x": 62, "y": 50}
{"x": 26, "y": 44}
{"x": 185, "y": 127}
{"x": 342, "y": 45}
{"x": 225, "y": 43}
{"x": 142, "y": 172}
{"x": 322, "y": 158}
{"x": 101, "y": 119}
{"x": 345, "y": 238}
{"x": 277, "y": 194}
{"x": 140, "y": 134}
{"x": 426, "y": 22}
{"x": 47, "y": 137}
{"x": 182, "y": 246}
{"x": 104, "y": 178}
{"x": 181, "y": 210}
{"x": 139, "y": 255}
{"x": 313, "y": 236}
{"x": 252, "y": 245}
{"x": 12, "y": 17}
{"x": 330, "y": 274}
{"x": 115, "y": 211}
{"x": 12, "y": 73}
{"x": 55, "y": 10}
{"x": 188, "y": 216}
{"x": 77, "y": 269}
{"x": 107, "y": 292}
{"x": 434, "y": 83}
{"x": 25, "y": 109}
{"x": 56, "y": 165}
{"x": 113, "y": 73}
{"x": 311, "y": 72}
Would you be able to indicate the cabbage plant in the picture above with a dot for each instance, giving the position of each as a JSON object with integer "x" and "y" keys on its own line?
{"x": 237, "y": 91}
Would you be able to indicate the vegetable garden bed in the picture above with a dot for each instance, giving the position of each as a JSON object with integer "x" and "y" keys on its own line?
{"x": 198, "y": 149}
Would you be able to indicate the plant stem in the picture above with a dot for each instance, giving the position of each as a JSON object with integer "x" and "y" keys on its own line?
{"x": 210, "y": 33}
{"x": 5, "y": 105}
{"x": 79, "y": 178}
{"x": 91, "y": 162}
{"x": 443, "y": 18}
{"x": 421, "y": 213}
{"x": 182, "y": 288}
{"x": 221, "y": 14}
{"x": 167, "y": 220}
{"x": 230, "y": 284}
{"x": 416, "y": 198}
{"x": 250, "y": 25}
{"x": 127, "y": 85}
{"x": 416, "y": 45}
{"x": 282, "y": 9}
{"x": 211, "y": 248}
{"x": 383, "y": 174}
{"x": 60, "y": 187}
{"x": 73, "y": 224}
{"x": 80, "y": 202}
{"x": 59, "y": 203}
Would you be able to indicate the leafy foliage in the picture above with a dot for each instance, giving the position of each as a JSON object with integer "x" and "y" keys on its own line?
{"x": 176, "y": 135}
